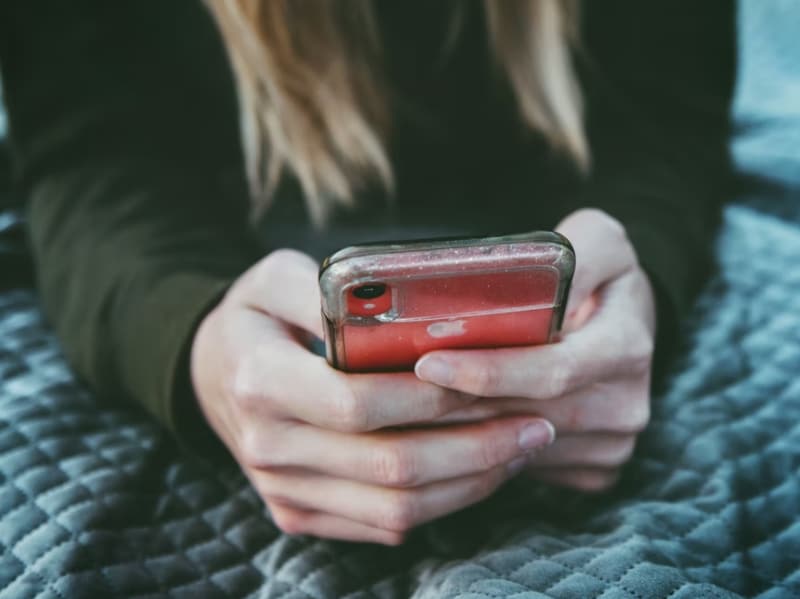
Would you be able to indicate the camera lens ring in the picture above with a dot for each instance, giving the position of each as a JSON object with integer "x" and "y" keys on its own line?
{"x": 369, "y": 291}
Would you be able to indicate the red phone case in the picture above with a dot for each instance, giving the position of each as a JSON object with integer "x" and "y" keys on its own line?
{"x": 385, "y": 305}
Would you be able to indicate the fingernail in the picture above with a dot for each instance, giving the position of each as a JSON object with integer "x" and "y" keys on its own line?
{"x": 516, "y": 465}
{"x": 536, "y": 434}
{"x": 434, "y": 370}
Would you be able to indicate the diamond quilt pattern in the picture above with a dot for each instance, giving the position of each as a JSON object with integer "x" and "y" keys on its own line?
{"x": 96, "y": 501}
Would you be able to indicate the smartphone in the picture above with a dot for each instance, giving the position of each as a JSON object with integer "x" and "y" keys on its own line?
{"x": 384, "y": 305}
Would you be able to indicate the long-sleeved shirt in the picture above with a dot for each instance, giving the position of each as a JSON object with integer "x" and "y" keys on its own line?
{"x": 124, "y": 137}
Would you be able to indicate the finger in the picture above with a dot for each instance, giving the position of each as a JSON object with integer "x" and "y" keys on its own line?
{"x": 613, "y": 344}
{"x": 282, "y": 378}
{"x": 617, "y": 407}
{"x": 585, "y": 451}
{"x": 296, "y": 521}
{"x": 392, "y": 509}
{"x": 602, "y": 253}
{"x": 407, "y": 458}
{"x": 544, "y": 372}
{"x": 613, "y": 407}
{"x": 589, "y": 480}
{"x": 284, "y": 285}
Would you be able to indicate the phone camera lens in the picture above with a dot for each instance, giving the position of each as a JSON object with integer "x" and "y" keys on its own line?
{"x": 369, "y": 291}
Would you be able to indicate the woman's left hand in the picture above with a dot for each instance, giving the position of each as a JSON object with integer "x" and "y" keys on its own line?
{"x": 593, "y": 385}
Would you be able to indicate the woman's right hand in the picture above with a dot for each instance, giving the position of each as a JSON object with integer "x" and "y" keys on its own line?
{"x": 311, "y": 439}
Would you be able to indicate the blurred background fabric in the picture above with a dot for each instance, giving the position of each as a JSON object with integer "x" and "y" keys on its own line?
{"x": 766, "y": 108}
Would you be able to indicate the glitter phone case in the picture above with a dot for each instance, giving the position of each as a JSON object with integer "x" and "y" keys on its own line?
{"x": 385, "y": 305}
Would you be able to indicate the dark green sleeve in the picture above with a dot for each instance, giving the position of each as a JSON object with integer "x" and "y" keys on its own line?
{"x": 123, "y": 123}
{"x": 659, "y": 79}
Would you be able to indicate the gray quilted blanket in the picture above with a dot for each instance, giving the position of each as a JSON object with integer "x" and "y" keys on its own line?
{"x": 96, "y": 501}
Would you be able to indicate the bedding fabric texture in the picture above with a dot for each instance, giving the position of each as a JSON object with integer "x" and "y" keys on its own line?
{"x": 96, "y": 501}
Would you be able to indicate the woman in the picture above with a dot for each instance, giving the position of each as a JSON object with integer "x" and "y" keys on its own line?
{"x": 608, "y": 122}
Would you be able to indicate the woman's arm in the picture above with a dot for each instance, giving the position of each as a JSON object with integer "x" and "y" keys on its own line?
{"x": 659, "y": 89}
{"x": 659, "y": 81}
{"x": 123, "y": 121}
{"x": 122, "y": 113}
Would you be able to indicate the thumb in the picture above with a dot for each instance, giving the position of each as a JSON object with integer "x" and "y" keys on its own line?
{"x": 602, "y": 253}
{"x": 284, "y": 286}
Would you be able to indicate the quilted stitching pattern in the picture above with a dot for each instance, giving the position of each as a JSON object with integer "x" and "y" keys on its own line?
{"x": 95, "y": 501}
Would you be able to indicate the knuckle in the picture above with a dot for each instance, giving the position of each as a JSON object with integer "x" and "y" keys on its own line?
{"x": 251, "y": 450}
{"x": 281, "y": 254}
{"x": 269, "y": 267}
{"x": 289, "y": 521}
{"x": 268, "y": 487}
{"x": 617, "y": 229}
{"x": 636, "y": 417}
{"x": 592, "y": 214}
{"x": 276, "y": 265}
{"x": 444, "y": 401}
{"x": 628, "y": 251}
{"x": 617, "y": 453}
{"x": 437, "y": 401}
{"x": 241, "y": 387}
{"x": 399, "y": 512}
{"x": 642, "y": 359}
{"x": 489, "y": 453}
{"x": 561, "y": 376}
{"x": 257, "y": 449}
{"x": 601, "y": 217}
{"x": 596, "y": 482}
{"x": 486, "y": 379}
{"x": 279, "y": 259}
{"x": 576, "y": 419}
{"x": 561, "y": 381}
{"x": 394, "y": 466}
{"x": 625, "y": 450}
{"x": 639, "y": 347}
{"x": 349, "y": 413}
{"x": 489, "y": 482}
{"x": 394, "y": 539}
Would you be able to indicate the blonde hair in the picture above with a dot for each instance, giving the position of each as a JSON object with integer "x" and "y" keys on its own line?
{"x": 313, "y": 100}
